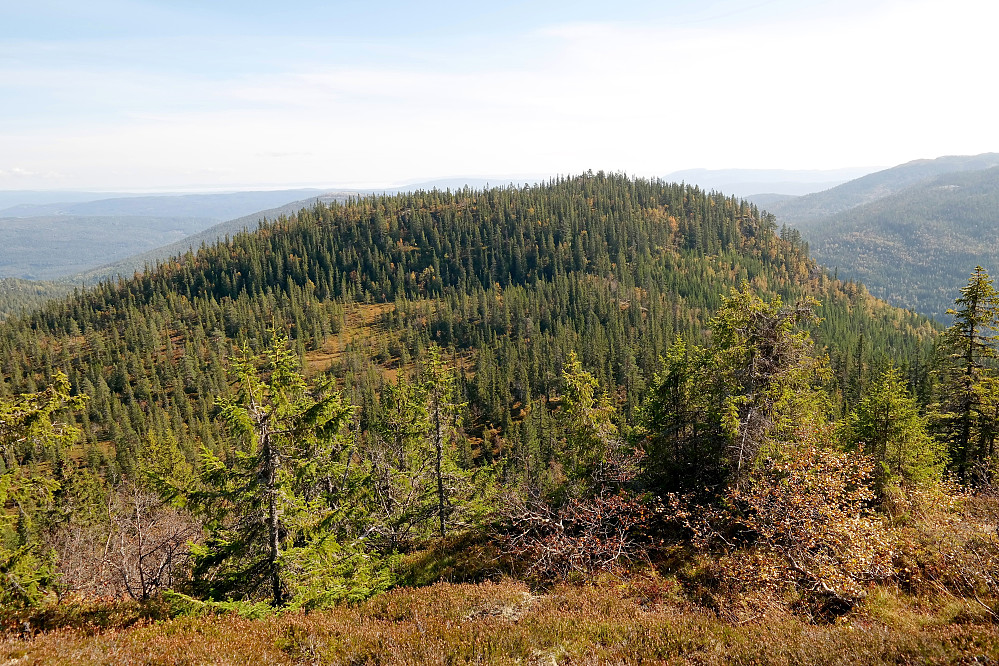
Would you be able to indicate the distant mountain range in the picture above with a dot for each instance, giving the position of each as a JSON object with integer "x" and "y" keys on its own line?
{"x": 772, "y": 183}
{"x": 216, "y": 206}
{"x": 137, "y": 262}
{"x": 13, "y": 198}
{"x": 802, "y": 211}
{"x": 61, "y": 239}
{"x": 912, "y": 234}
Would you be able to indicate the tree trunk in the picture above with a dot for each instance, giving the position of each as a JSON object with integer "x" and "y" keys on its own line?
{"x": 438, "y": 464}
{"x": 273, "y": 517}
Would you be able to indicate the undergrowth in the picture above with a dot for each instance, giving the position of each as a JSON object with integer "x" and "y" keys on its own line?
{"x": 638, "y": 620}
{"x": 457, "y": 603}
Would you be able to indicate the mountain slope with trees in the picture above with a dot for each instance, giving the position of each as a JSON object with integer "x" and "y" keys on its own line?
{"x": 915, "y": 248}
{"x": 595, "y": 374}
{"x": 807, "y": 211}
{"x": 612, "y": 267}
{"x": 24, "y": 295}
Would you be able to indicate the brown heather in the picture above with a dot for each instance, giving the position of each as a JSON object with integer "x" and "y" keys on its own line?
{"x": 611, "y": 622}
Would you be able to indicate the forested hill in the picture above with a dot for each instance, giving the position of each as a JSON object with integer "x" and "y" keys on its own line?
{"x": 25, "y": 295}
{"x": 916, "y": 248}
{"x": 511, "y": 280}
{"x": 806, "y": 212}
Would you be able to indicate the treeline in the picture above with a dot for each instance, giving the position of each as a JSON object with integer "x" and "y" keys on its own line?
{"x": 552, "y": 307}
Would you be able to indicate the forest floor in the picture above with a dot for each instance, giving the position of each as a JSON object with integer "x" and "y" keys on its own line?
{"x": 642, "y": 621}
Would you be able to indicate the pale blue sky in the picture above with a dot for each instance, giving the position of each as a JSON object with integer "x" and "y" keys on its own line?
{"x": 125, "y": 94}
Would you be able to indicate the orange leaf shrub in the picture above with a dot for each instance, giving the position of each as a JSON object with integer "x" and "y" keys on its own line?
{"x": 803, "y": 520}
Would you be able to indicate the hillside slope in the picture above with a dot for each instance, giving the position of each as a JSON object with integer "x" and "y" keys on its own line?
{"x": 512, "y": 279}
{"x": 25, "y": 295}
{"x": 216, "y": 232}
{"x": 639, "y": 620}
{"x": 805, "y": 212}
{"x": 917, "y": 247}
{"x": 58, "y": 246}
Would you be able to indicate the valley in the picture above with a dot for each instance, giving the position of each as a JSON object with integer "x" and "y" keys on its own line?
{"x": 912, "y": 234}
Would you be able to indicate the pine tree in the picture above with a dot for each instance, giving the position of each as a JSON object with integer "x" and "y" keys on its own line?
{"x": 967, "y": 377}
{"x": 887, "y": 425}
{"x": 276, "y": 498}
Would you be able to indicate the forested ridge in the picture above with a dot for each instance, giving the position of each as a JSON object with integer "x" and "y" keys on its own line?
{"x": 915, "y": 247}
{"x": 911, "y": 234}
{"x": 809, "y": 210}
{"x": 23, "y": 295}
{"x": 545, "y": 382}
{"x": 612, "y": 267}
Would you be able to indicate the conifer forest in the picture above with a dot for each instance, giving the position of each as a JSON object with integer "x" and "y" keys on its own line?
{"x": 599, "y": 419}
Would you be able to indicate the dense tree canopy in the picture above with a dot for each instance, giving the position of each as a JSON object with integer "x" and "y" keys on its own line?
{"x": 444, "y": 350}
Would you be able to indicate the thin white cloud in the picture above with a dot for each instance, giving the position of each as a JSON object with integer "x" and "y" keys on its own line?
{"x": 880, "y": 87}
{"x": 17, "y": 172}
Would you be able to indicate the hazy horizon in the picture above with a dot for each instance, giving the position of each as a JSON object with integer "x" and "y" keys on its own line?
{"x": 817, "y": 177}
{"x": 151, "y": 95}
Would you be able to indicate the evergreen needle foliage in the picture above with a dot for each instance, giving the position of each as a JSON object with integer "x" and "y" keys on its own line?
{"x": 274, "y": 510}
{"x": 33, "y": 451}
{"x": 887, "y": 424}
{"x": 967, "y": 387}
{"x": 466, "y": 383}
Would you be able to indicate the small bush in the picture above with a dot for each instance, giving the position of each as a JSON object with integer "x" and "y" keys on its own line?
{"x": 806, "y": 520}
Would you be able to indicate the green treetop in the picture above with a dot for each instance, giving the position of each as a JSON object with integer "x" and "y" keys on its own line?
{"x": 966, "y": 380}
{"x": 273, "y": 505}
{"x": 888, "y": 425}
{"x": 33, "y": 443}
{"x": 713, "y": 413}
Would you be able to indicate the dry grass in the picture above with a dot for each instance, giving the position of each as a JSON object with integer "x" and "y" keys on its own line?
{"x": 939, "y": 608}
{"x": 363, "y": 323}
{"x": 367, "y": 334}
{"x": 612, "y": 622}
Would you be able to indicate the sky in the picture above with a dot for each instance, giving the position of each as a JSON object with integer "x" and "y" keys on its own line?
{"x": 154, "y": 95}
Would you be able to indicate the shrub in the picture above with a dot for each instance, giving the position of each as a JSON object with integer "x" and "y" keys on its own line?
{"x": 804, "y": 519}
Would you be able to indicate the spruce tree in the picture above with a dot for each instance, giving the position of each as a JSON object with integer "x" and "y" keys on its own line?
{"x": 275, "y": 499}
{"x": 887, "y": 425}
{"x": 444, "y": 416}
{"x": 714, "y": 412}
{"x": 967, "y": 374}
{"x": 32, "y": 436}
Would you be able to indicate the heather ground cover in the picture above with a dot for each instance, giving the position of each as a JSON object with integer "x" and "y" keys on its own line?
{"x": 642, "y": 621}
